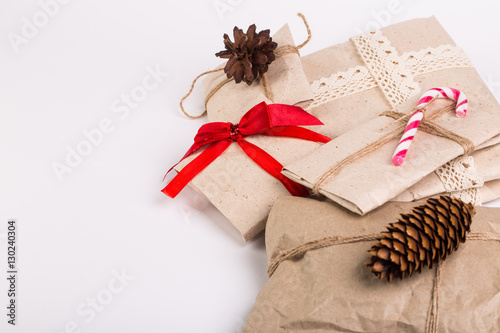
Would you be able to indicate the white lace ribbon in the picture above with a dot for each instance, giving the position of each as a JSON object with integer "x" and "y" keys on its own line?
{"x": 461, "y": 179}
{"x": 385, "y": 68}
{"x": 395, "y": 80}
{"x": 471, "y": 195}
{"x": 352, "y": 81}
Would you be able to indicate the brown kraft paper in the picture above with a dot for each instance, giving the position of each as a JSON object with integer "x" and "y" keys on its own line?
{"x": 348, "y": 171}
{"x": 239, "y": 188}
{"x": 331, "y": 289}
{"x": 397, "y": 64}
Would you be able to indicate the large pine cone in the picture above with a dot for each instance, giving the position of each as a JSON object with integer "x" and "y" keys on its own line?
{"x": 249, "y": 56}
{"x": 426, "y": 236}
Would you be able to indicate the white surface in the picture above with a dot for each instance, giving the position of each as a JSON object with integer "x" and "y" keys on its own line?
{"x": 192, "y": 272}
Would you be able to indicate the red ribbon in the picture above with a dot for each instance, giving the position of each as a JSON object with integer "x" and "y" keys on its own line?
{"x": 262, "y": 119}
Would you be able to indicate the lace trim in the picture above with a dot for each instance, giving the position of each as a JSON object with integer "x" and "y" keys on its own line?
{"x": 410, "y": 64}
{"x": 461, "y": 179}
{"x": 471, "y": 195}
{"x": 395, "y": 80}
{"x": 434, "y": 59}
{"x": 341, "y": 84}
{"x": 460, "y": 174}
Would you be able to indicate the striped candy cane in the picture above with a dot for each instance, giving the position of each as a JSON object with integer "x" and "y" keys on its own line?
{"x": 416, "y": 117}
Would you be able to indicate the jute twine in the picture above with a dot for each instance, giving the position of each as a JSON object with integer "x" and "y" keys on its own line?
{"x": 298, "y": 251}
{"x": 279, "y": 52}
{"x": 426, "y": 125}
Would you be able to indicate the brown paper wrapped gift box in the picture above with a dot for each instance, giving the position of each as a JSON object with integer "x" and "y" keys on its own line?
{"x": 331, "y": 289}
{"x": 240, "y": 189}
{"x": 349, "y": 89}
{"x": 355, "y": 168}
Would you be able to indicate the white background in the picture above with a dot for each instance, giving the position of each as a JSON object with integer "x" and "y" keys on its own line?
{"x": 191, "y": 270}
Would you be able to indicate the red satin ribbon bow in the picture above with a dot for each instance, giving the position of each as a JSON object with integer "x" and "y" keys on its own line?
{"x": 262, "y": 119}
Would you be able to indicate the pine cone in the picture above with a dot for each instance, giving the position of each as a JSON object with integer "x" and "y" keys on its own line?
{"x": 426, "y": 236}
{"x": 249, "y": 56}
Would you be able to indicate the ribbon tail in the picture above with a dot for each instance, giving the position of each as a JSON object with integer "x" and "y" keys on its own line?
{"x": 195, "y": 167}
{"x": 191, "y": 150}
{"x": 296, "y": 132}
{"x": 273, "y": 167}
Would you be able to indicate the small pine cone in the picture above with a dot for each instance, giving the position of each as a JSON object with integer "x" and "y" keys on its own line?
{"x": 426, "y": 236}
{"x": 249, "y": 56}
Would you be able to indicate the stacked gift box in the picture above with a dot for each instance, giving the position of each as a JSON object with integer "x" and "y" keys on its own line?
{"x": 326, "y": 125}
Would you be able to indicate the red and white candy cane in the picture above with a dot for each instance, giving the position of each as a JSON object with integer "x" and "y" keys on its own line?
{"x": 416, "y": 117}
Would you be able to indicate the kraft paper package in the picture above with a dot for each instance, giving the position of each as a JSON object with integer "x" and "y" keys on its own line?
{"x": 389, "y": 70}
{"x": 330, "y": 289}
{"x": 355, "y": 169}
{"x": 240, "y": 189}
{"x": 350, "y": 87}
{"x": 461, "y": 174}
{"x": 286, "y": 80}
